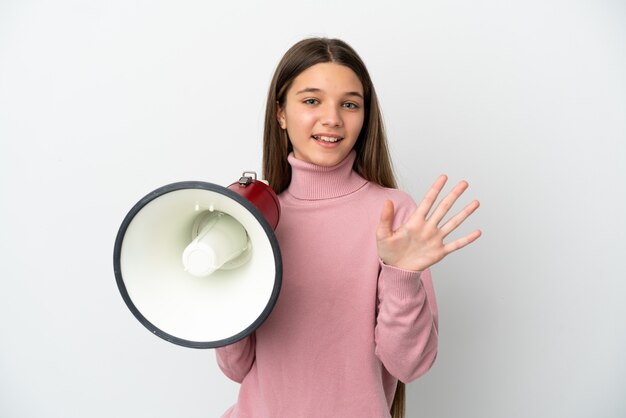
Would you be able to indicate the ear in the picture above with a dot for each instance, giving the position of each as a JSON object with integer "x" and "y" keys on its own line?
{"x": 280, "y": 115}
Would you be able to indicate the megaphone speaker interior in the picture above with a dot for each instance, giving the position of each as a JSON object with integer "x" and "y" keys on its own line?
{"x": 198, "y": 264}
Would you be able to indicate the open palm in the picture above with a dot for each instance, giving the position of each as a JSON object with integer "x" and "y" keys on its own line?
{"x": 418, "y": 243}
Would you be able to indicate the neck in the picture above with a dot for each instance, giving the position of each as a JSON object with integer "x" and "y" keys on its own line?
{"x": 314, "y": 182}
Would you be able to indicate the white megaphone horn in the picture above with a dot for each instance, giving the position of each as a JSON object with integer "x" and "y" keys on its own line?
{"x": 198, "y": 264}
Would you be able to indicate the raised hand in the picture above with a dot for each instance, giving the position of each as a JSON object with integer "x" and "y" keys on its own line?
{"x": 418, "y": 244}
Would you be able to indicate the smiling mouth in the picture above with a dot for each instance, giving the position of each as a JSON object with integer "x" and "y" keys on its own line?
{"x": 326, "y": 138}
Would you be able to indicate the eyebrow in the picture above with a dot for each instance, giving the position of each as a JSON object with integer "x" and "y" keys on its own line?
{"x": 316, "y": 90}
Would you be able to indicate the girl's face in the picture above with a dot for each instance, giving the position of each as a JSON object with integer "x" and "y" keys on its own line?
{"x": 323, "y": 113}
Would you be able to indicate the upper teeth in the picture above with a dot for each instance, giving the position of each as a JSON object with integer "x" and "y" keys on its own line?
{"x": 327, "y": 138}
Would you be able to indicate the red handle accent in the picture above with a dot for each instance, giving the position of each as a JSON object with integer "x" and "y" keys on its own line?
{"x": 262, "y": 196}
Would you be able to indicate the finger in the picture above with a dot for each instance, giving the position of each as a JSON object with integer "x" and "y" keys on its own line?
{"x": 461, "y": 242}
{"x": 429, "y": 198}
{"x": 385, "y": 226}
{"x": 459, "y": 218}
{"x": 446, "y": 203}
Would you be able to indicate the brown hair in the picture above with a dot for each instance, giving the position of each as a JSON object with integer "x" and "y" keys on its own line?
{"x": 372, "y": 154}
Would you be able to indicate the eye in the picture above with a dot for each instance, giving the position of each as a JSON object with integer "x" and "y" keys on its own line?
{"x": 310, "y": 101}
{"x": 350, "y": 105}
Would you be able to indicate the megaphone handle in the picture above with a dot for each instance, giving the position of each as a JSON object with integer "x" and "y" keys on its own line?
{"x": 244, "y": 180}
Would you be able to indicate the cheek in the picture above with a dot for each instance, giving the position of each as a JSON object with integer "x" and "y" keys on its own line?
{"x": 301, "y": 123}
{"x": 308, "y": 119}
{"x": 356, "y": 123}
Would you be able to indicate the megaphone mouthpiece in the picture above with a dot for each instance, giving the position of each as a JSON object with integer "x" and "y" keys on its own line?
{"x": 220, "y": 239}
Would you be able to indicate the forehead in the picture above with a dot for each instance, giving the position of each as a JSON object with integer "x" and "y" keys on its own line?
{"x": 328, "y": 77}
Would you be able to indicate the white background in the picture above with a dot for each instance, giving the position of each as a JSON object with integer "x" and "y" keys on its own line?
{"x": 104, "y": 101}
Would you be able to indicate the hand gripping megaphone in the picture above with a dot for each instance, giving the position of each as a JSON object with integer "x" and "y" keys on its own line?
{"x": 198, "y": 264}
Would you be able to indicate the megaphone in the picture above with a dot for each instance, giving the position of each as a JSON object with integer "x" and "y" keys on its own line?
{"x": 198, "y": 264}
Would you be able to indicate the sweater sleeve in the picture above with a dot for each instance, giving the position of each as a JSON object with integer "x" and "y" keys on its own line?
{"x": 235, "y": 360}
{"x": 407, "y": 324}
{"x": 406, "y": 332}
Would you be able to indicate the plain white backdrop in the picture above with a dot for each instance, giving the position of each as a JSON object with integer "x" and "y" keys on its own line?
{"x": 104, "y": 101}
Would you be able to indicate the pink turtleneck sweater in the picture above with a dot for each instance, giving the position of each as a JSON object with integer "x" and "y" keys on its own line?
{"x": 345, "y": 327}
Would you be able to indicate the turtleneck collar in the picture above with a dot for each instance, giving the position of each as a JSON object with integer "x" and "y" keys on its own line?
{"x": 314, "y": 182}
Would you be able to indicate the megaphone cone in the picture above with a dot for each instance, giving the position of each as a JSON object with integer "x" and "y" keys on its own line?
{"x": 198, "y": 264}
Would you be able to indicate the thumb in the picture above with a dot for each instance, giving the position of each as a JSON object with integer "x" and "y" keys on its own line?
{"x": 385, "y": 226}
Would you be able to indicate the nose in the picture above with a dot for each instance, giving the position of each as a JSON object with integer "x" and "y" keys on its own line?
{"x": 331, "y": 116}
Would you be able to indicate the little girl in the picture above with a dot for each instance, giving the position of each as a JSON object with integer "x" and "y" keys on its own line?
{"x": 357, "y": 314}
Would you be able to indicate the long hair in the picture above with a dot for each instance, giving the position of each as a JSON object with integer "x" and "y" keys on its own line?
{"x": 372, "y": 161}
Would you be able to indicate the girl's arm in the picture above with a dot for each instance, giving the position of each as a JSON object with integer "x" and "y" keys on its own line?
{"x": 406, "y": 326}
{"x": 236, "y": 360}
